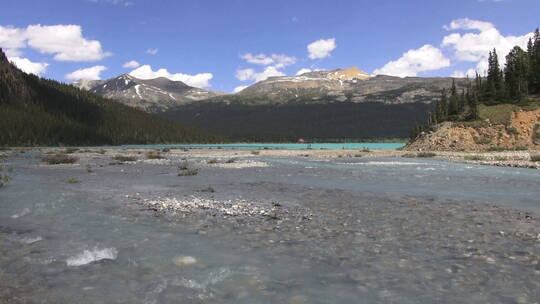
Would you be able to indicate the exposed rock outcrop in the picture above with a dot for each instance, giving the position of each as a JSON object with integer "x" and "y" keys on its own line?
{"x": 522, "y": 132}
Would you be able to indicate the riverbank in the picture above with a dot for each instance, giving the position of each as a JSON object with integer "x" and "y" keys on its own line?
{"x": 517, "y": 159}
{"x": 266, "y": 226}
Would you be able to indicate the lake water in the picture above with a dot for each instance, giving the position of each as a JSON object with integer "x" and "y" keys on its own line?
{"x": 256, "y": 146}
{"x": 385, "y": 230}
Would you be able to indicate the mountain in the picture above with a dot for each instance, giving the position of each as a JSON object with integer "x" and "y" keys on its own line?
{"x": 322, "y": 105}
{"x": 38, "y": 111}
{"x": 152, "y": 95}
{"x": 341, "y": 85}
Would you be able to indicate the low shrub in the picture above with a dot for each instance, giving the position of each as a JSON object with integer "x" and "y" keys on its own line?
{"x": 231, "y": 160}
{"x": 535, "y": 158}
{"x": 473, "y": 157}
{"x": 212, "y": 161}
{"x": 495, "y": 149}
{"x": 72, "y": 181}
{"x": 154, "y": 155}
{"x": 207, "y": 189}
{"x": 501, "y": 158}
{"x": 482, "y": 141}
{"x": 426, "y": 154}
{"x": 365, "y": 150}
{"x": 409, "y": 155}
{"x": 188, "y": 172}
{"x": 71, "y": 150}
{"x": 513, "y": 131}
{"x": 255, "y": 152}
{"x": 123, "y": 158}
{"x": 58, "y": 158}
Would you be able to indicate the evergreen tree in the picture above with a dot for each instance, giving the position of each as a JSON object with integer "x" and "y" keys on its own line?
{"x": 535, "y": 60}
{"x": 494, "y": 81}
{"x": 453, "y": 104}
{"x": 516, "y": 74}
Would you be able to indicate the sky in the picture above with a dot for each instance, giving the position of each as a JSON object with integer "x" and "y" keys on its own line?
{"x": 225, "y": 45}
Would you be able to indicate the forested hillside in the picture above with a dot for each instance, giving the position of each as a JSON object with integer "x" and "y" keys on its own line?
{"x": 37, "y": 111}
{"x": 317, "y": 121}
{"x": 516, "y": 85}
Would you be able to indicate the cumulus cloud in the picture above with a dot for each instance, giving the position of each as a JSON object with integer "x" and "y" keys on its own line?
{"x": 131, "y": 64}
{"x": 278, "y": 60}
{"x": 152, "y": 51}
{"x": 66, "y": 42}
{"x": 426, "y": 58}
{"x": 92, "y": 73}
{"x": 475, "y": 45}
{"x": 239, "y": 88}
{"x": 28, "y": 66}
{"x": 273, "y": 64}
{"x": 201, "y": 80}
{"x": 471, "y": 73}
{"x": 303, "y": 71}
{"x": 250, "y": 74}
{"x": 321, "y": 48}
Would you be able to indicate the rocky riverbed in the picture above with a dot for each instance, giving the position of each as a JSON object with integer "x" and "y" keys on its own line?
{"x": 267, "y": 227}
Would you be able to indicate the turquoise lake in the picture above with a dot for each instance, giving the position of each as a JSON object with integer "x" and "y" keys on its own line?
{"x": 255, "y": 146}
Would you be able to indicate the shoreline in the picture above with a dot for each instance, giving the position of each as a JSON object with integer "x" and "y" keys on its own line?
{"x": 514, "y": 159}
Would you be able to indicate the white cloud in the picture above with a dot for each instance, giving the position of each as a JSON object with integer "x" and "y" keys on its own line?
{"x": 66, "y": 42}
{"x": 475, "y": 46}
{"x": 201, "y": 80}
{"x": 91, "y": 73}
{"x": 471, "y": 73}
{"x": 278, "y": 60}
{"x": 239, "y": 88}
{"x": 302, "y": 71}
{"x": 152, "y": 51}
{"x": 426, "y": 58}
{"x": 250, "y": 74}
{"x": 245, "y": 74}
{"x": 28, "y": 66}
{"x": 321, "y": 48}
{"x": 131, "y": 64}
{"x": 115, "y": 2}
{"x": 12, "y": 39}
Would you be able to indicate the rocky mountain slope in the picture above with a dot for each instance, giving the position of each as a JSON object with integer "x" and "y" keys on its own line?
{"x": 521, "y": 131}
{"x": 342, "y": 85}
{"x": 152, "y": 95}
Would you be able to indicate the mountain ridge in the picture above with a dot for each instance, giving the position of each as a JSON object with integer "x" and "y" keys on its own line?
{"x": 39, "y": 111}
{"x": 150, "y": 95}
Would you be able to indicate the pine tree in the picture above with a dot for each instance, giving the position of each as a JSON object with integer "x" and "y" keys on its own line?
{"x": 516, "y": 74}
{"x": 494, "y": 82}
{"x": 535, "y": 68}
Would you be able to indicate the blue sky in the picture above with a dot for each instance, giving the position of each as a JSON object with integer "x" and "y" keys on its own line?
{"x": 215, "y": 44}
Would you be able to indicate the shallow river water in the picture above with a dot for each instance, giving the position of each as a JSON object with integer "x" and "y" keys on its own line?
{"x": 345, "y": 230}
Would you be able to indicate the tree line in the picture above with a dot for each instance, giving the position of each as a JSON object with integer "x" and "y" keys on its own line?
{"x": 39, "y": 111}
{"x": 514, "y": 84}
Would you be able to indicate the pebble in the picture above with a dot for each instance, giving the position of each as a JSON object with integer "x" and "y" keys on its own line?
{"x": 182, "y": 261}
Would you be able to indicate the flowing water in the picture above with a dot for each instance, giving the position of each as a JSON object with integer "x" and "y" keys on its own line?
{"x": 91, "y": 242}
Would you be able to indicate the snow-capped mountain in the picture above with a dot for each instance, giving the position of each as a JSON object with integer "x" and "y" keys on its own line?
{"x": 151, "y": 95}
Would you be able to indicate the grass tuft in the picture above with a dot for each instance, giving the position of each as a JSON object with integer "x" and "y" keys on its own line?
{"x": 154, "y": 155}
{"x": 123, "y": 158}
{"x": 72, "y": 181}
{"x": 58, "y": 158}
{"x": 474, "y": 157}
